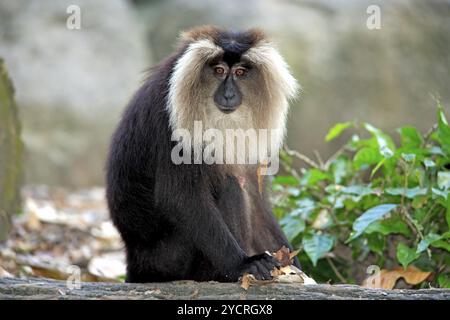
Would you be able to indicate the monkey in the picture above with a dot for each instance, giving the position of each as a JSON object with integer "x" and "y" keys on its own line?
{"x": 198, "y": 221}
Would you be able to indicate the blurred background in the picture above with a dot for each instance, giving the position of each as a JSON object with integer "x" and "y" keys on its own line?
{"x": 71, "y": 85}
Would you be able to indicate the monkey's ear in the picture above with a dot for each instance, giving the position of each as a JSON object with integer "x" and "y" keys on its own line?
{"x": 198, "y": 33}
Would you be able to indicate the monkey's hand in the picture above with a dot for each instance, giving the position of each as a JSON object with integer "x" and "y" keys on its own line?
{"x": 260, "y": 266}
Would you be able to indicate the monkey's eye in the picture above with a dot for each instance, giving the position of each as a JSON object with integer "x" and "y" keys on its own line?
{"x": 219, "y": 70}
{"x": 240, "y": 72}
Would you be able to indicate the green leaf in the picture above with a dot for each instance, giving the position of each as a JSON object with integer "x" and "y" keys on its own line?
{"x": 419, "y": 201}
{"x": 410, "y": 193}
{"x": 386, "y": 152}
{"x": 340, "y": 168}
{"x": 378, "y": 166}
{"x": 437, "y": 192}
{"x": 303, "y": 208}
{"x": 376, "y": 243}
{"x": 429, "y": 163}
{"x": 444, "y": 280}
{"x": 317, "y": 245}
{"x": 393, "y": 225}
{"x": 441, "y": 244}
{"x": 337, "y": 130}
{"x": 312, "y": 176}
{"x": 295, "y": 192}
{"x": 408, "y": 157}
{"x": 447, "y": 212}
{"x": 443, "y": 131}
{"x": 385, "y": 144}
{"x": 406, "y": 255}
{"x": 373, "y": 214}
{"x": 435, "y": 150}
{"x": 410, "y": 137}
{"x": 427, "y": 241}
{"x": 443, "y": 180}
{"x": 366, "y": 156}
{"x": 292, "y": 226}
{"x": 286, "y": 180}
{"x": 359, "y": 190}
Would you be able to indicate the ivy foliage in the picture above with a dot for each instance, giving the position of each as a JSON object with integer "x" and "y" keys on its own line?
{"x": 374, "y": 202}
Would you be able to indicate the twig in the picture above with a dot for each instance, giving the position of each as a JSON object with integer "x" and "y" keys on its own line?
{"x": 336, "y": 271}
{"x": 428, "y": 134}
{"x": 292, "y": 171}
{"x": 333, "y": 157}
{"x": 428, "y": 214}
{"x": 294, "y": 153}
{"x": 331, "y": 211}
{"x": 319, "y": 159}
{"x": 403, "y": 210}
{"x": 410, "y": 221}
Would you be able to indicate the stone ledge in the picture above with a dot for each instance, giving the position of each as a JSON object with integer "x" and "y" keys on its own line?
{"x": 40, "y": 288}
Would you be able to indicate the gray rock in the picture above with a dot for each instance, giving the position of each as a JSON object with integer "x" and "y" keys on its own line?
{"x": 39, "y": 288}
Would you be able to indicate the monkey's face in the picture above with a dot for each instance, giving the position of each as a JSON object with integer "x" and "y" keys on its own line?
{"x": 229, "y": 80}
{"x": 232, "y": 85}
{"x": 228, "y": 96}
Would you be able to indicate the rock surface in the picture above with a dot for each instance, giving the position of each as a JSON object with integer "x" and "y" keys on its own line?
{"x": 13, "y": 288}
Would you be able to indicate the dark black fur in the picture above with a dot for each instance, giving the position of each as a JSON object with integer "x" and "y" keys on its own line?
{"x": 234, "y": 45}
{"x": 180, "y": 221}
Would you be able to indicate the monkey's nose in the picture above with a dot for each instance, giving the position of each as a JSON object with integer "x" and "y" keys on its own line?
{"x": 227, "y": 100}
{"x": 229, "y": 95}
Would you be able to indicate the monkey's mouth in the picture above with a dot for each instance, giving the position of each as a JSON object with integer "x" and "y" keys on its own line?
{"x": 228, "y": 104}
{"x": 227, "y": 109}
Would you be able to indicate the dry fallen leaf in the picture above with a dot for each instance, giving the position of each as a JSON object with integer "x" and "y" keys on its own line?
{"x": 291, "y": 274}
{"x": 387, "y": 279}
{"x": 5, "y": 274}
{"x": 284, "y": 256}
{"x": 287, "y": 273}
{"x": 245, "y": 281}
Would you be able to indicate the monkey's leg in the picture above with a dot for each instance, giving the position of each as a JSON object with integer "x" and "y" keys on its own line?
{"x": 169, "y": 259}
